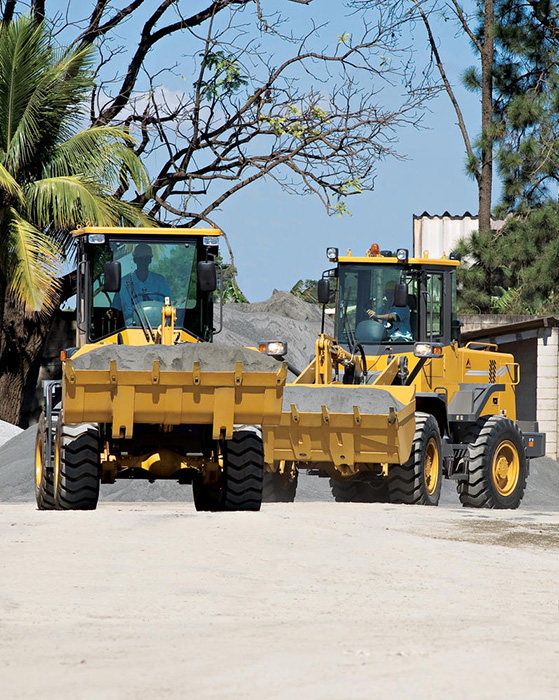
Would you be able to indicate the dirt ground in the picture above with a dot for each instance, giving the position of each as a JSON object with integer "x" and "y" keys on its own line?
{"x": 304, "y": 600}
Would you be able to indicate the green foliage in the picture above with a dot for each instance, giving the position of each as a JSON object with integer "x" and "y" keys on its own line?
{"x": 298, "y": 123}
{"x": 230, "y": 289}
{"x": 526, "y": 100}
{"x": 307, "y": 290}
{"x": 53, "y": 176}
{"x": 516, "y": 270}
{"x": 226, "y": 79}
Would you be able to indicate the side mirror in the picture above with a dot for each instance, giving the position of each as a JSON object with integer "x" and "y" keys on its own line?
{"x": 207, "y": 277}
{"x": 401, "y": 294}
{"x": 323, "y": 291}
{"x": 113, "y": 276}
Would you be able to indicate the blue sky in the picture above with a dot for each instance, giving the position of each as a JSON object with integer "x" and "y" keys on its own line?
{"x": 279, "y": 238}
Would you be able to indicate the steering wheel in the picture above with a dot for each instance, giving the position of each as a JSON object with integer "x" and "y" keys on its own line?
{"x": 147, "y": 296}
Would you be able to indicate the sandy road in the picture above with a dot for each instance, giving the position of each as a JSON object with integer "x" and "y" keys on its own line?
{"x": 309, "y": 600}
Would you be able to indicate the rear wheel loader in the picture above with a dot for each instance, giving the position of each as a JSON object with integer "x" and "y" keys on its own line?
{"x": 144, "y": 394}
{"x": 393, "y": 403}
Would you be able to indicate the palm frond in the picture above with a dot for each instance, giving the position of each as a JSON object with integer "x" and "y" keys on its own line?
{"x": 23, "y": 52}
{"x": 43, "y": 98}
{"x": 33, "y": 265}
{"x": 103, "y": 153}
{"x": 64, "y": 202}
{"x": 10, "y": 185}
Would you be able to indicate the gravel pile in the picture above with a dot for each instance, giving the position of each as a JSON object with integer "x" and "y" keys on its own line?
{"x": 282, "y": 317}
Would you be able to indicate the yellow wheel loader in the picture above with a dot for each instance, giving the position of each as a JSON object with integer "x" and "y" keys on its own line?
{"x": 393, "y": 404}
{"x": 144, "y": 394}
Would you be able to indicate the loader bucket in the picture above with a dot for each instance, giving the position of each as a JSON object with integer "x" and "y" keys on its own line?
{"x": 343, "y": 425}
{"x": 190, "y": 383}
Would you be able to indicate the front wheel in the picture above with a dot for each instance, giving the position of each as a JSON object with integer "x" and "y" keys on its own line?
{"x": 280, "y": 487}
{"x": 360, "y": 489}
{"x": 76, "y": 466}
{"x": 243, "y": 469}
{"x": 419, "y": 480}
{"x": 498, "y": 468}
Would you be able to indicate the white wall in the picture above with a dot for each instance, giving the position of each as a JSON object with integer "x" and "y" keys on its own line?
{"x": 440, "y": 234}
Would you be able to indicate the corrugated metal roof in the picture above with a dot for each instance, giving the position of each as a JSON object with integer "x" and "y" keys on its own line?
{"x": 446, "y": 214}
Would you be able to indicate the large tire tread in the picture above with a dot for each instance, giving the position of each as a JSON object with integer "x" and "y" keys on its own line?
{"x": 78, "y": 480}
{"x": 478, "y": 490}
{"x": 357, "y": 490}
{"x": 279, "y": 487}
{"x": 406, "y": 482}
{"x": 243, "y": 471}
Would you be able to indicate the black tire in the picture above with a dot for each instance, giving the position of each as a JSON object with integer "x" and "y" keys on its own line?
{"x": 279, "y": 487}
{"x": 44, "y": 475}
{"x": 207, "y": 497}
{"x": 358, "y": 490}
{"x": 243, "y": 468}
{"x": 419, "y": 480}
{"x": 498, "y": 468}
{"x": 76, "y": 470}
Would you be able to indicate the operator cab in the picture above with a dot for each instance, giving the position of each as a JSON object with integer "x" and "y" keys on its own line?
{"x": 126, "y": 275}
{"x": 387, "y": 299}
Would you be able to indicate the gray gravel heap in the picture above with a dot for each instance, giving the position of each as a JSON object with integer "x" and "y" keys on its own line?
{"x": 340, "y": 399}
{"x": 176, "y": 358}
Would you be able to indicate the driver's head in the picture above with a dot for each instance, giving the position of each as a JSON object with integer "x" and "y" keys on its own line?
{"x": 143, "y": 255}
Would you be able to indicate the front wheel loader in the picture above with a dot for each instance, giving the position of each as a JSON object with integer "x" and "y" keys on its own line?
{"x": 144, "y": 393}
{"x": 394, "y": 403}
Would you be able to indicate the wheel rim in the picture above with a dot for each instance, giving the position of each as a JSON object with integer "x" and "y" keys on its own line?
{"x": 38, "y": 462}
{"x": 56, "y": 470}
{"x": 506, "y": 468}
{"x": 431, "y": 466}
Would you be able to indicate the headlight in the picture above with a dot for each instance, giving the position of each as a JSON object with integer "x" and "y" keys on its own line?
{"x": 402, "y": 254}
{"x": 428, "y": 349}
{"x": 275, "y": 348}
{"x": 332, "y": 254}
{"x": 211, "y": 240}
{"x": 96, "y": 238}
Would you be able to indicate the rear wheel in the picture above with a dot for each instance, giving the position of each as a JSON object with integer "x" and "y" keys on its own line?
{"x": 76, "y": 466}
{"x": 419, "y": 480}
{"x": 280, "y": 487}
{"x": 360, "y": 490}
{"x": 207, "y": 497}
{"x": 498, "y": 468}
{"x": 44, "y": 474}
{"x": 243, "y": 468}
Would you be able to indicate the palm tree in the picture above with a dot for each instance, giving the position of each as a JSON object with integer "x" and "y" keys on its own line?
{"x": 54, "y": 175}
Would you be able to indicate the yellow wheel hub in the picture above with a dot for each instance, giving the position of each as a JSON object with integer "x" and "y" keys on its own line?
{"x": 38, "y": 462}
{"x": 506, "y": 468}
{"x": 431, "y": 466}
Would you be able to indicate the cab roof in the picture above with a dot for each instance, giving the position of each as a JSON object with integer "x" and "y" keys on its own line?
{"x": 393, "y": 260}
{"x": 146, "y": 231}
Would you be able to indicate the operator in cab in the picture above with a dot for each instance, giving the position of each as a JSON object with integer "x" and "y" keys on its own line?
{"x": 396, "y": 319}
{"x": 142, "y": 285}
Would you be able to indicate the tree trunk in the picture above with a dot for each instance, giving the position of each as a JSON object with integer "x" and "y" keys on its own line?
{"x": 486, "y": 173}
{"x": 23, "y": 342}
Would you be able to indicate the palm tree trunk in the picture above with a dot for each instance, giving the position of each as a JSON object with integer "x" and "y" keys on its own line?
{"x": 22, "y": 349}
{"x": 22, "y": 339}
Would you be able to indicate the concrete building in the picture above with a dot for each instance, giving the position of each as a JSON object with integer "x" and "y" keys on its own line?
{"x": 534, "y": 342}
